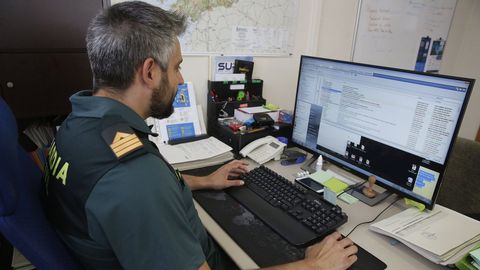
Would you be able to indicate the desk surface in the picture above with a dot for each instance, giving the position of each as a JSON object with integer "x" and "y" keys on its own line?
{"x": 395, "y": 255}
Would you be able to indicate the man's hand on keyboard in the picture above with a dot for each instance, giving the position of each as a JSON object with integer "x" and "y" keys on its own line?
{"x": 333, "y": 252}
{"x": 219, "y": 179}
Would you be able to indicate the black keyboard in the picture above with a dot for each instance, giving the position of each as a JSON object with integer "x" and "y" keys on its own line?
{"x": 299, "y": 215}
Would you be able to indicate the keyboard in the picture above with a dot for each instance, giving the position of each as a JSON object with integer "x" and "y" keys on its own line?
{"x": 297, "y": 214}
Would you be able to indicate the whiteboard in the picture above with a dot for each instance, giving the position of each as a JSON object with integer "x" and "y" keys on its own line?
{"x": 408, "y": 34}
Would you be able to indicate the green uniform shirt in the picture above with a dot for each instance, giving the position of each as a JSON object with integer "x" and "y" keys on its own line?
{"x": 139, "y": 214}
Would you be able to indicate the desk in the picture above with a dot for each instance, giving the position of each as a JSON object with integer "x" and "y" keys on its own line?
{"x": 396, "y": 256}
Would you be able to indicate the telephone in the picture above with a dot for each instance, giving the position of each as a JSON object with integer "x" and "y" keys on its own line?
{"x": 263, "y": 149}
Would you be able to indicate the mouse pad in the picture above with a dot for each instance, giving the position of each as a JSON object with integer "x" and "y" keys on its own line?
{"x": 260, "y": 242}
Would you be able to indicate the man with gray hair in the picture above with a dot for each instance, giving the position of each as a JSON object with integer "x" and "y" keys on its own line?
{"x": 114, "y": 200}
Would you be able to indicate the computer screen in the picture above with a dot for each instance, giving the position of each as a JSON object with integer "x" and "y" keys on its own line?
{"x": 397, "y": 125}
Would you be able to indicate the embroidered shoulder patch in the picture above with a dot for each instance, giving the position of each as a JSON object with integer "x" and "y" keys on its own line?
{"x": 121, "y": 139}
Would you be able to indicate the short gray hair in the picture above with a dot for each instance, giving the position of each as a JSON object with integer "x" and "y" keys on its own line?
{"x": 120, "y": 38}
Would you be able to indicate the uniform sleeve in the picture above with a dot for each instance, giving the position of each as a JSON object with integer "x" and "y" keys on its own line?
{"x": 137, "y": 209}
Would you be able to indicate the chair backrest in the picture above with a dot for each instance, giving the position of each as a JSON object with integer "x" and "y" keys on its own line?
{"x": 22, "y": 217}
{"x": 460, "y": 189}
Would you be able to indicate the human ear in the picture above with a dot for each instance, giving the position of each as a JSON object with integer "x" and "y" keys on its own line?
{"x": 150, "y": 73}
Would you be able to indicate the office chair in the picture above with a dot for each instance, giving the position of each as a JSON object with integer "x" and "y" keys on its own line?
{"x": 460, "y": 189}
{"x": 22, "y": 218}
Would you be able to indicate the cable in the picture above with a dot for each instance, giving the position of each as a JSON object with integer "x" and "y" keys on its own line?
{"x": 366, "y": 222}
{"x": 352, "y": 187}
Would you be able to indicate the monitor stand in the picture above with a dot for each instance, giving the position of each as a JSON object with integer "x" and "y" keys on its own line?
{"x": 309, "y": 165}
{"x": 367, "y": 195}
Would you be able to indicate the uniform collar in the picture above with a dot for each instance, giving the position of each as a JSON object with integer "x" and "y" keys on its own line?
{"x": 86, "y": 105}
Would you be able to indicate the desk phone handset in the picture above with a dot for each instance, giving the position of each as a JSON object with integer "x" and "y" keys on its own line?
{"x": 263, "y": 149}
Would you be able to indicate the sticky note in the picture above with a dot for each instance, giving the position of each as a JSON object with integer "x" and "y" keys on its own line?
{"x": 348, "y": 198}
{"x": 271, "y": 106}
{"x": 330, "y": 196}
{"x": 321, "y": 176}
{"x": 335, "y": 185}
{"x": 420, "y": 206}
{"x": 475, "y": 254}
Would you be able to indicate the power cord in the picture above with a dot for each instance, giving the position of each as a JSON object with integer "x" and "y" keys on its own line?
{"x": 366, "y": 222}
{"x": 352, "y": 187}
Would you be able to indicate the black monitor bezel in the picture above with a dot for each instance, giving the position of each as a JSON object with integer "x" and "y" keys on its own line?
{"x": 361, "y": 175}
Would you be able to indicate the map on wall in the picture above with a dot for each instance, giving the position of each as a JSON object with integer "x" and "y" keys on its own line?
{"x": 248, "y": 27}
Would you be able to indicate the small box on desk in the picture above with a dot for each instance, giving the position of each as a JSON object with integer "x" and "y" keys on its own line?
{"x": 237, "y": 140}
{"x": 244, "y": 114}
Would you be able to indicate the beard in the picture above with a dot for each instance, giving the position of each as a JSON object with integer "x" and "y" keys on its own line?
{"x": 161, "y": 104}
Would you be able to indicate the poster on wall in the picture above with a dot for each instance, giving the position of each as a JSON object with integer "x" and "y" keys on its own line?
{"x": 403, "y": 34}
{"x": 242, "y": 27}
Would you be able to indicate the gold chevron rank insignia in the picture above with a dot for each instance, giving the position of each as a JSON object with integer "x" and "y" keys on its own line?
{"x": 124, "y": 143}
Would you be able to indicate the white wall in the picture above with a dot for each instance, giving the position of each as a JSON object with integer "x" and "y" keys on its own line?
{"x": 462, "y": 58}
{"x": 337, "y": 29}
{"x": 326, "y": 28}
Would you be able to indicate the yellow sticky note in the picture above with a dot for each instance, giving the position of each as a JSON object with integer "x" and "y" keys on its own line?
{"x": 475, "y": 254}
{"x": 321, "y": 176}
{"x": 271, "y": 107}
{"x": 420, "y": 206}
{"x": 335, "y": 185}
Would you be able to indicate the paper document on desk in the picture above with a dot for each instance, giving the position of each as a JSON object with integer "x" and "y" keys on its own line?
{"x": 202, "y": 163}
{"x": 438, "y": 234}
{"x": 192, "y": 151}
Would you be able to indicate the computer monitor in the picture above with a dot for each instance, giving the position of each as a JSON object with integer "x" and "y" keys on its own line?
{"x": 397, "y": 125}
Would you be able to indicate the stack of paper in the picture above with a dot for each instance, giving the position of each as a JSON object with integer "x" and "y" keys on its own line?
{"x": 197, "y": 154}
{"x": 442, "y": 235}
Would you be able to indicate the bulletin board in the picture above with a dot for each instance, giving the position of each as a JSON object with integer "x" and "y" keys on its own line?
{"x": 408, "y": 34}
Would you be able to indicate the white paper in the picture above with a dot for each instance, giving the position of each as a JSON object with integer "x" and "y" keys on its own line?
{"x": 237, "y": 86}
{"x": 438, "y": 235}
{"x": 258, "y": 109}
{"x": 184, "y": 122}
{"x": 259, "y": 38}
{"x": 443, "y": 260}
{"x": 203, "y": 129}
{"x": 155, "y": 123}
{"x": 191, "y": 151}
